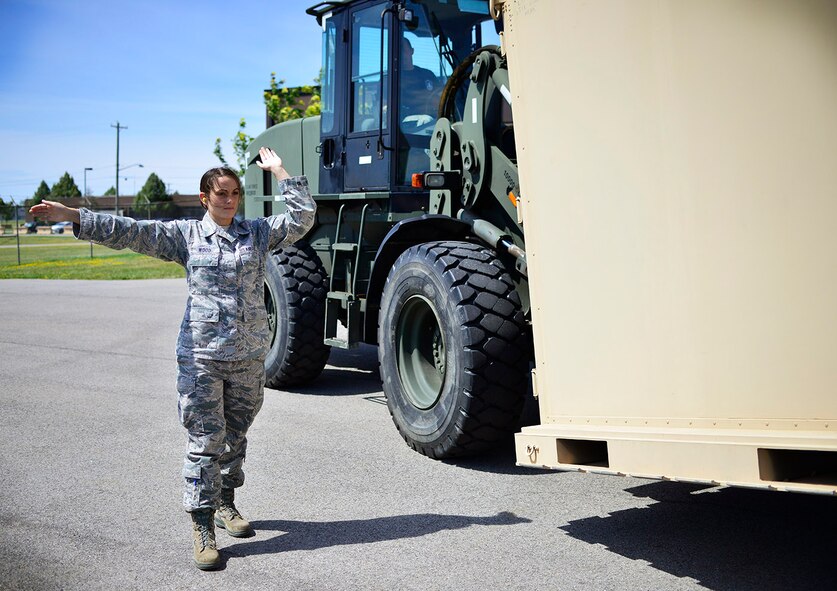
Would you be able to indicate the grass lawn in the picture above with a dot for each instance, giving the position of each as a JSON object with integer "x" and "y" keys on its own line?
{"x": 64, "y": 257}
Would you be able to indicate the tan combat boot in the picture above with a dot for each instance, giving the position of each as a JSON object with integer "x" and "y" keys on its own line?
{"x": 228, "y": 517}
{"x": 203, "y": 532}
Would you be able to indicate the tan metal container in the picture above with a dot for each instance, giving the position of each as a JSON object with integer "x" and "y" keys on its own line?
{"x": 678, "y": 164}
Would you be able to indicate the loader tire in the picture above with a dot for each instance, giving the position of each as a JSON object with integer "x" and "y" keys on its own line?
{"x": 454, "y": 349}
{"x": 295, "y": 294}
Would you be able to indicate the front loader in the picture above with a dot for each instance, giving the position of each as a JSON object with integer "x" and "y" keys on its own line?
{"x": 418, "y": 246}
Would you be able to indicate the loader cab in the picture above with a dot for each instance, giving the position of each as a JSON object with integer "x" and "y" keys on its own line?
{"x": 385, "y": 66}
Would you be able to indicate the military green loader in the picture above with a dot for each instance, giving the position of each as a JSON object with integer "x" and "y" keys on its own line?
{"x": 418, "y": 246}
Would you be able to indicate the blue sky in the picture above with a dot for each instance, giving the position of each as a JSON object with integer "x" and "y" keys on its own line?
{"x": 177, "y": 74}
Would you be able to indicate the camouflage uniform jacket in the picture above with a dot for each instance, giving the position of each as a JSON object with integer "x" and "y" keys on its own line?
{"x": 225, "y": 315}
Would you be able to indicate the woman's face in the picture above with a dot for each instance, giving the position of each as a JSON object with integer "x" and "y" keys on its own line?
{"x": 222, "y": 200}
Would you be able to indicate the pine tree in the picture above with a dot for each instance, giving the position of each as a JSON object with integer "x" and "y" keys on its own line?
{"x": 153, "y": 195}
{"x": 154, "y": 190}
{"x": 41, "y": 193}
{"x": 65, "y": 187}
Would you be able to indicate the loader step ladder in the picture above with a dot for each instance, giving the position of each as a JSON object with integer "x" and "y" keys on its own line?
{"x": 345, "y": 299}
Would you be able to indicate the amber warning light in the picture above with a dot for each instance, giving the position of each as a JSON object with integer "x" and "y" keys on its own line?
{"x": 449, "y": 179}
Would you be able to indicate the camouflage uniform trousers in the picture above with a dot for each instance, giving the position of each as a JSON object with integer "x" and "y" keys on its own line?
{"x": 218, "y": 401}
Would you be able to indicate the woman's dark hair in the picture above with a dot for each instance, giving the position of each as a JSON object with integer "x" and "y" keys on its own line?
{"x": 209, "y": 178}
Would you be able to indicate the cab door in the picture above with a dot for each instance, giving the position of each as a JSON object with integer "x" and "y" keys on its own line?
{"x": 367, "y": 165}
{"x": 332, "y": 99}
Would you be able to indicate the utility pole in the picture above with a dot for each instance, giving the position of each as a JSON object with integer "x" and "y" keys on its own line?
{"x": 116, "y": 200}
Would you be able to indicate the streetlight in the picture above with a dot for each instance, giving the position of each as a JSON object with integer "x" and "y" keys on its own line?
{"x": 118, "y": 170}
{"x": 85, "y": 181}
{"x": 133, "y": 179}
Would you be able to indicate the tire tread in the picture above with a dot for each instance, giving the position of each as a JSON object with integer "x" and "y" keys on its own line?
{"x": 304, "y": 280}
{"x": 498, "y": 348}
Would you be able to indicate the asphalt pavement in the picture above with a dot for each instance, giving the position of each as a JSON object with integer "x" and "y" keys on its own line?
{"x": 91, "y": 486}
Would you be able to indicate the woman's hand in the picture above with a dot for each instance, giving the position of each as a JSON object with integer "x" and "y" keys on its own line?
{"x": 271, "y": 161}
{"x": 55, "y": 212}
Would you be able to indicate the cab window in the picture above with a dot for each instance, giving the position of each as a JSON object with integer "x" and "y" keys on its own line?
{"x": 367, "y": 77}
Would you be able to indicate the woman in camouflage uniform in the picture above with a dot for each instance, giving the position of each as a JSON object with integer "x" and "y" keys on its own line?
{"x": 224, "y": 336}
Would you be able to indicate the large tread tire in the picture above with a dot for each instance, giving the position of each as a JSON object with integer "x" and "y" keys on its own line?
{"x": 461, "y": 391}
{"x": 295, "y": 296}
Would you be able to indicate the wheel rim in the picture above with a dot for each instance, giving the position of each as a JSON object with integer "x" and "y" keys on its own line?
{"x": 270, "y": 307}
{"x": 420, "y": 348}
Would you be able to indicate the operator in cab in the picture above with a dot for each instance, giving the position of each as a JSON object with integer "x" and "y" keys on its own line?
{"x": 420, "y": 90}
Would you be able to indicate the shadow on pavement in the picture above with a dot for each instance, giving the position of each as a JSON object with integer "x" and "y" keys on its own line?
{"x": 363, "y": 357}
{"x": 726, "y": 539}
{"x": 348, "y": 373}
{"x": 312, "y": 535}
{"x": 340, "y": 382}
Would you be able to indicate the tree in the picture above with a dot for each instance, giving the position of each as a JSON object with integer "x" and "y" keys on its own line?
{"x": 41, "y": 193}
{"x": 65, "y": 187}
{"x": 240, "y": 142}
{"x": 154, "y": 190}
{"x": 153, "y": 195}
{"x": 111, "y": 191}
{"x": 7, "y": 210}
{"x": 283, "y": 104}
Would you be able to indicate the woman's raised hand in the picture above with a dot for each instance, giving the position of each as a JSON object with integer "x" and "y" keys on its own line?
{"x": 55, "y": 212}
{"x": 271, "y": 161}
